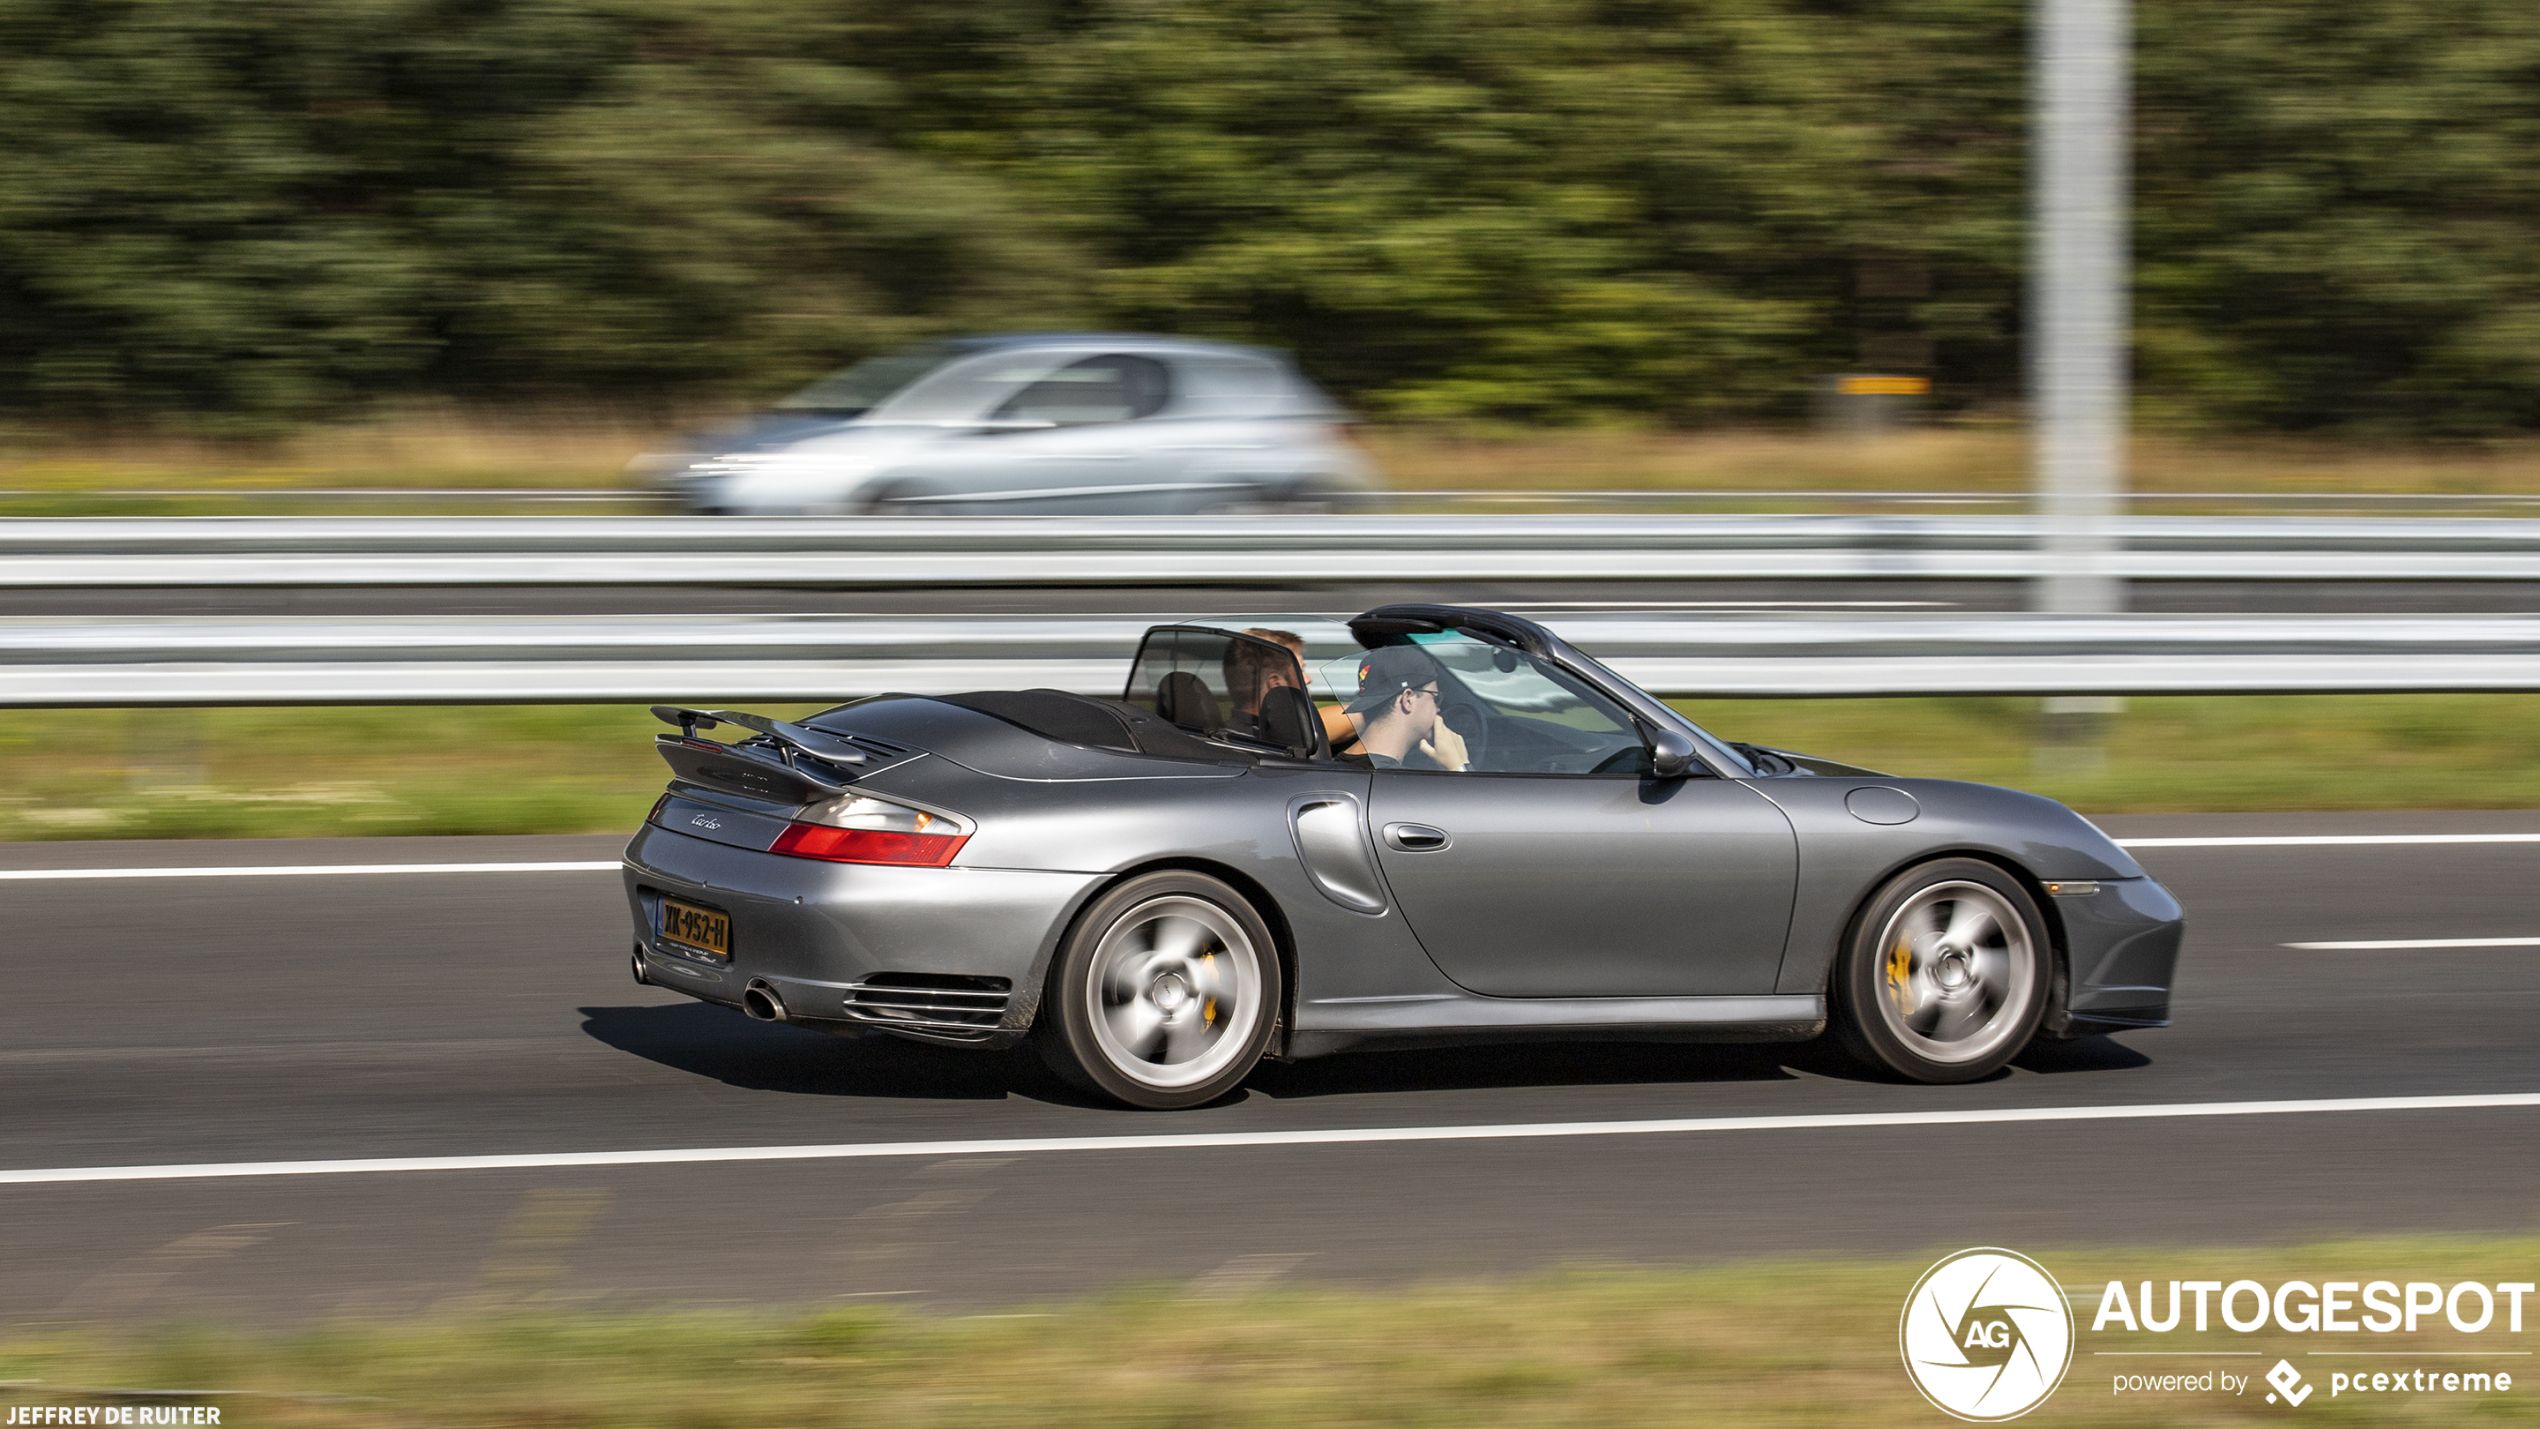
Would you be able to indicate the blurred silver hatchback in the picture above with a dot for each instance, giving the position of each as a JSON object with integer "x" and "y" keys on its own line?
{"x": 1033, "y": 424}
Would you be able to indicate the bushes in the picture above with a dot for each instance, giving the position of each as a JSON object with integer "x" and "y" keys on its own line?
{"x": 267, "y": 212}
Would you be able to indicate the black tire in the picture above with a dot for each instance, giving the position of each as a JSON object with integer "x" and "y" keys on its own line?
{"x": 1164, "y": 994}
{"x": 1944, "y": 976}
{"x": 893, "y": 501}
{"x": 1305, "y": 501}
{"x": 1299, "y": 499}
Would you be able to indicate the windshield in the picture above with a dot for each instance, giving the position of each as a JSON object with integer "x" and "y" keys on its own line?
{"x": 1507, "y": 712}
{"x": 853, "y": 391}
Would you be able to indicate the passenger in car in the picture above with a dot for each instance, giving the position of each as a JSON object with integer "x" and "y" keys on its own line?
{"x": 1396, "y": 712}
{"x": 1253, "y": 671}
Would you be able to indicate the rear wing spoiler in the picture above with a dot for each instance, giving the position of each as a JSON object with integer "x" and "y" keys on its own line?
{"x": 801, "y": 767}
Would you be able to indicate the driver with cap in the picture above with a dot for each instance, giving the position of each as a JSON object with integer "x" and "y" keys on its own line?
{"x": 1397, "y": 711}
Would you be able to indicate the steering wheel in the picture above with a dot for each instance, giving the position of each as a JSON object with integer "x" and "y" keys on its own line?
{"x": 1467, "y": 720}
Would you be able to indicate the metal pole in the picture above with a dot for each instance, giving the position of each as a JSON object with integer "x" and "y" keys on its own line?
{"x": 2078, "y": 320}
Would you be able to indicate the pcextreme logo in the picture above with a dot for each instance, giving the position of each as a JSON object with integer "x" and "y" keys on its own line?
{"x": 1986, "y": 1335}
{"x": 2321, "y": 1311}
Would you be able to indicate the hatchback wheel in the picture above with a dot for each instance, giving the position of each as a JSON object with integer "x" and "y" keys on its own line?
{"x": 1944, "y": 977}
{"x": 1303, "y": 498}
{"x": 1164, "y": 995}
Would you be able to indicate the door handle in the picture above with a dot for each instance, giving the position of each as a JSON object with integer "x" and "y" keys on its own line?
{"x": 1415, "y": 838}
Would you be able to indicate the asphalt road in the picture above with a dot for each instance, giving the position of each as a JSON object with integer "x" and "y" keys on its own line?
{"x": 242, "y": 1019}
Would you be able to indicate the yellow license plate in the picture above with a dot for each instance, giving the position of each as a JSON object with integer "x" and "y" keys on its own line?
{"x": 701, "y": 928}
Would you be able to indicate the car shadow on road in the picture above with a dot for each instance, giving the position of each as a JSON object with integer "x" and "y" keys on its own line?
{"x": 1524, "y": 1064}
{"x": 1556, "y": 1064}
{"x": 722, "y": 1044}
{"x": 2085, "y": 1054}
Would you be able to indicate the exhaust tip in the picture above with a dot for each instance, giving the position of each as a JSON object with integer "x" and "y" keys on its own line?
{"x": 640, "y": 975}
{"x": 761, "y": 1002}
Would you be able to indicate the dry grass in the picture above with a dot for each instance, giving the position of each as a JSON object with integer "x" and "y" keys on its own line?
{"x": 561, "y": 448}
{"x": 1941, "y": 459}
{"x": 1781, "y": 1343}
{"x": 1714, "y": 461}
{"x": 589, "y": 448}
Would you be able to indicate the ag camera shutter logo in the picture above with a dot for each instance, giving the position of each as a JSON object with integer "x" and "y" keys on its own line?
{"x": 1986, "y": 1335}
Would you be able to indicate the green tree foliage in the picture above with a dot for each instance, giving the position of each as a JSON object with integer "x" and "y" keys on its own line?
{"x": 1528, "y": 208}
{"x": 267, "y": 210}
{"x": 2338, "y": 207}
{"x": 1535, "y": 210}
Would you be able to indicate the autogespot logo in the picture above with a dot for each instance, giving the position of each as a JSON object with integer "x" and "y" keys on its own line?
{"x": 1986, "y": 1335}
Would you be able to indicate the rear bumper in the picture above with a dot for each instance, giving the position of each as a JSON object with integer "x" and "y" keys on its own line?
{"x": 2122, "y": 947}
{"x": 941, "y": 954}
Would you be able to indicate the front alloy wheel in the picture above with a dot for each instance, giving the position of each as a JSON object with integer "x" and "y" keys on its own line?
{"x": 1164, "y": 994}
{"x": 1945, "y": 976}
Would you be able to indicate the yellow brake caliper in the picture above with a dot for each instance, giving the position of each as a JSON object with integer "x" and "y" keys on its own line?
{"x": 1900, "y": 975}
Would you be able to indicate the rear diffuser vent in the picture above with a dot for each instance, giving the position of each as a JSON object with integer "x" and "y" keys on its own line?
{"x": 946, "y": 1004}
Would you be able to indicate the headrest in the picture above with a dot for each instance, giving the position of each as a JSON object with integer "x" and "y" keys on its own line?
{"x": 1288, "y": 720}
{"x": 1183, "y": 699}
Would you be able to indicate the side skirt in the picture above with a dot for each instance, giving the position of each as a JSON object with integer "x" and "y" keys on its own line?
{"x": 1363, "y": 1024}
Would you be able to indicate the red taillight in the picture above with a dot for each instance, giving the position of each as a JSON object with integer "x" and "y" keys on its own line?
{"x": 658, "y": 805}
{"x": 868, "y": 845}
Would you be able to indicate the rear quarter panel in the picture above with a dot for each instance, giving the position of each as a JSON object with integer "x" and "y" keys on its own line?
{"x": 1235, "y": 825}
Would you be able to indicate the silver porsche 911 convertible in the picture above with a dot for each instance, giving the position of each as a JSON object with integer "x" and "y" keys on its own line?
{"x": 1293, "y": 837}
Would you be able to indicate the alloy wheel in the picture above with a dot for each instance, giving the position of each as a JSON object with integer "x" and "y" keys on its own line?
{"x": 1955, "y": 971}
{"x": 1175, "y": 992}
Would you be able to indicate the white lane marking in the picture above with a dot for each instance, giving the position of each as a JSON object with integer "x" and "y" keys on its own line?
{"x": 2319, "y": 840}
{"x": 2419, "y": 943}
{"x": 303, "y": 870}
{"x": 1211, "y": 1140}
{"x": 1244, "y": 1274}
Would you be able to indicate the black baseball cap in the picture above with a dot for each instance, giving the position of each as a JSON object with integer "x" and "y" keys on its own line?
{"x": 1387, "y": 671}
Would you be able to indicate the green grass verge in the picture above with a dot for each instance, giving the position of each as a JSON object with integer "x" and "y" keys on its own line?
{"x": 2179, "y": 754}
{"x": 1773, "y": 1343}
{"x": 264, "y": 773}
{"x": 302, "y": 773}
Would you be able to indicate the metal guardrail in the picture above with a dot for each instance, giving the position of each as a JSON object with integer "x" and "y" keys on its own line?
{"x": 1249, "y": 550}
{"x": 644, "y": 659}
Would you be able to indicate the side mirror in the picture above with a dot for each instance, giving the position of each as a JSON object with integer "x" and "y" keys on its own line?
{"x": 1670, "y": 753}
